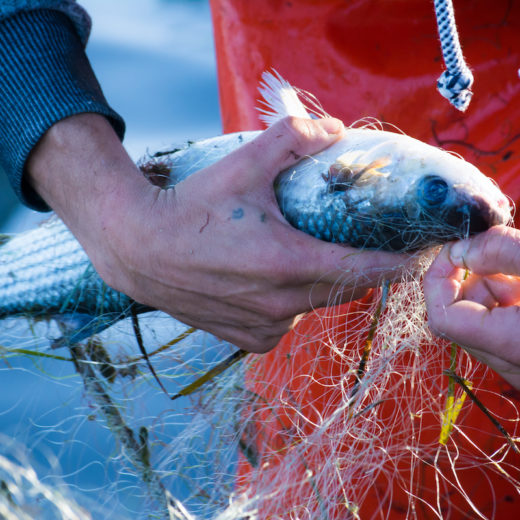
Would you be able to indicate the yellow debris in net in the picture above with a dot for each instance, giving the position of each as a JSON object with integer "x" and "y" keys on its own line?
{"x": 453, "y": 407}
{"x": 451, "y": 412}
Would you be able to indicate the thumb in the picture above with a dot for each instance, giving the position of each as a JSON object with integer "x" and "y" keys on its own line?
{"x": 286, "y": 143}
{"x": 494, "y": 251}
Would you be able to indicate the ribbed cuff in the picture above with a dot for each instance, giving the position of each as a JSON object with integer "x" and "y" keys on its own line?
{"x": 45, "y": 76}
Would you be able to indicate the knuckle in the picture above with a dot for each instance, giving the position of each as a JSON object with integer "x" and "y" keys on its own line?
{"x": 497, "y": 245}
{"x": 300, "y": 131}
{"x": 261, "y": 344}
{"x": 493, "y": 240}
{"x": 436, "y": 327}
{"x": 279, "y": 306}
{"x": 301, "y": 263}
{"x": 275, "y": 310}
{"x": 278, "y": 267}
{"x": 113, "y": 277}
{"x": 278, "y": 275}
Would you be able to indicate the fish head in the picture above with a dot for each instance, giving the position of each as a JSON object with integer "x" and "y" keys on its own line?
{"x": 409, "y": 195}
{"x": 377, "y": 189}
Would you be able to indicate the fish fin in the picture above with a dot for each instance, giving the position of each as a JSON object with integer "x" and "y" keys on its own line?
{"x": 343, "y": 175}
{"x": 372, "y": 171}
{"x": 280, "y": 99}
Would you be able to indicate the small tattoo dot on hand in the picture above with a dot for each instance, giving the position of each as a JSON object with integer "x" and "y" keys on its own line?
{"x": 237, "y": 214}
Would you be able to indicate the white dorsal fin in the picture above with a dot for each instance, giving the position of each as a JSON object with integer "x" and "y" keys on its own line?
{"x": 280, "y": 99}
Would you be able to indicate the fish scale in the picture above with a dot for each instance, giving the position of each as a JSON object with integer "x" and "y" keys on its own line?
{"x": 46, "y": 271}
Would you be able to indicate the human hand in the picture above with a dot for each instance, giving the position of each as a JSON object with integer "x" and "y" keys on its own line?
{"x": 480, "y": 312}
{"x": 215, "y": 252}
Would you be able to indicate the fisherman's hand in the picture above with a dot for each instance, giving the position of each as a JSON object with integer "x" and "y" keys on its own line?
{"x": 480, "y": 311}
{"x": 215, "y": 252}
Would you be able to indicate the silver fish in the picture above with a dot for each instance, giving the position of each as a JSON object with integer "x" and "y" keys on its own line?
{"x": 372, "y": 189}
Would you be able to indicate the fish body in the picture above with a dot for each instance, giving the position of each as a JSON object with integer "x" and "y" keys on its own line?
{"x": 371, "y": 189}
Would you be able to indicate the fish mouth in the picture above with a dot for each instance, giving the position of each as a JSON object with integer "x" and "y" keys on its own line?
{"x": 481, "y": 214}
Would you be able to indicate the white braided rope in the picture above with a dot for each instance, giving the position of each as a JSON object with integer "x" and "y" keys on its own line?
{"x": 456, "y": 81}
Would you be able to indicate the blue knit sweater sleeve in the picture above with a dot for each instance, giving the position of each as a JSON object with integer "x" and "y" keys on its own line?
{"x": 45, "y": 76}
{"x": 76, "y": 14}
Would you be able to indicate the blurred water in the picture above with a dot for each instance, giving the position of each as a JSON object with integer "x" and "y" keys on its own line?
{"x": 155, "y": 62}
{"x": 156, "y": 65}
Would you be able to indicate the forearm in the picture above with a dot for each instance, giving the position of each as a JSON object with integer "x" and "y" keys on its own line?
{"x": 82, "y": 171}
{"x": 77, "y": 165}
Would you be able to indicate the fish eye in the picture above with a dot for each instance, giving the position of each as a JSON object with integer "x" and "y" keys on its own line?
{"x": 432, "y": 190}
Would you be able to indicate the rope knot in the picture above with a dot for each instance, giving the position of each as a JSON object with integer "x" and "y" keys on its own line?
{"x": 456, "y": 81}
{"x": 456, "y": 88}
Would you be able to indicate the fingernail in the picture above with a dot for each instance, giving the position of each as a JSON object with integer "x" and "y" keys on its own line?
{"x": 458, "y": 252}
{"x": 332, "y": 125}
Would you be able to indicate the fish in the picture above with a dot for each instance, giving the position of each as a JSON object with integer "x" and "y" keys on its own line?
{"x": 372, "y": 189}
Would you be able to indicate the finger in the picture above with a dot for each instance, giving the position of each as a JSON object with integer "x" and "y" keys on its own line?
{"x": 258, "y": 335}
{"x": 236, "y": 313}
{"x": 290, "y": 302}
{"x": 444, "y": 283}
{"x": 505, "y": 288}
{"x": 258, "y": 340}
{"x": 508, "y": 370}
{"x": 467, "y": 322}
{"x": 492, "y": 290}
{"x": 327, "y": 295}
{"x": 489, "y": 335}
{"x": 493, "y": 331}
{"x": 442, "y": 287}
{"x": 357, "y": 268}
{"x": 283, "y": 145}
{"x": 495, "y": 251}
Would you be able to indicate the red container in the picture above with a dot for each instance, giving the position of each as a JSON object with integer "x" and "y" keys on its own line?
{"x": 374, "y": 58}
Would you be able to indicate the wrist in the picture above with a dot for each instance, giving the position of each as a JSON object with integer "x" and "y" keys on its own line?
{"x": 84, "y": 174}
{"x": 79, "y": 164}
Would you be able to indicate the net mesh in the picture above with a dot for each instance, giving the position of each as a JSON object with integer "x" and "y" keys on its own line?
{"x": 353, "y": 415}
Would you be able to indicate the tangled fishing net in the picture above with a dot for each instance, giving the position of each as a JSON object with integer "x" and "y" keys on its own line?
{"x": 359, "y": 413}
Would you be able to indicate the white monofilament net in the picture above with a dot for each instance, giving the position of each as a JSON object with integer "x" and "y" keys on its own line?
{"x": 308, "y": 431}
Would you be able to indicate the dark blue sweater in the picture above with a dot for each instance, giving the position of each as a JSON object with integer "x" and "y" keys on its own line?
{"x": 45, "y": 76}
